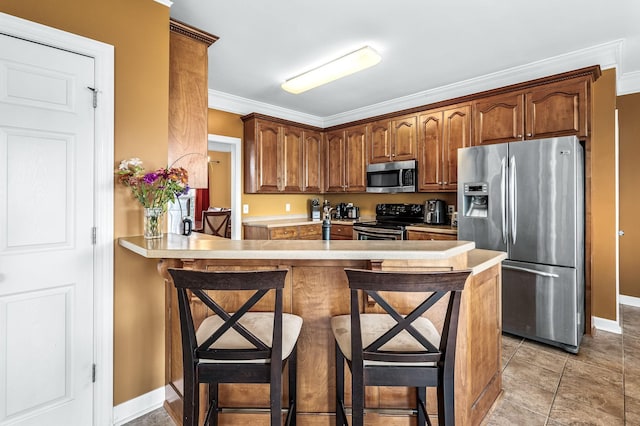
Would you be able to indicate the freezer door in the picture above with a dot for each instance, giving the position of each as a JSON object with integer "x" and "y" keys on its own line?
{"x": 486, "y": 164}
{"x": 545, "y": 204}
{"x": 542, "y": 303}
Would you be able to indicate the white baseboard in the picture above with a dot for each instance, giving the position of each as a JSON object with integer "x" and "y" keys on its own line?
{"x": 139, "y": 406}
{"x": 606, "y": 325}
{"x": 630, "y": 300}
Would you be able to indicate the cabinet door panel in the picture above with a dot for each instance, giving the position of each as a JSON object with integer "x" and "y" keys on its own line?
{"x": 335, "y": 162}
{"x": 355, "y": 171}
{"x": 291, "y": 161}
{"x": 557, "y": 110}
{"x": 379, "y": 142}
{"x": 404, "y": 138}
{"x": 499, "y": 119}
{"x": 267, "y": 156}
{"x": 457, "y": 134}
{"x": 430, "y": 155}
{"x": 312, "y": 158}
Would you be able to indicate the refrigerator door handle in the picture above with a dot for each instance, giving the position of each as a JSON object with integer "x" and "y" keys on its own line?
{"x": 513, "y": 193}
{"x": 531, "y": 271}
{"x": 503, "y": 197}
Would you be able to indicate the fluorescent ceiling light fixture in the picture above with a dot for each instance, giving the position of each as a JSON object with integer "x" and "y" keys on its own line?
{"x": 348, "y": 64}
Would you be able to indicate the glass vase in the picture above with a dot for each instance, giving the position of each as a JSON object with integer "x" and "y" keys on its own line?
{"x": 152, "y": 222}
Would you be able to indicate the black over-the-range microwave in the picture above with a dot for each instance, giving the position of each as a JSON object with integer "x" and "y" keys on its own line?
{"x": 394, "y": 176}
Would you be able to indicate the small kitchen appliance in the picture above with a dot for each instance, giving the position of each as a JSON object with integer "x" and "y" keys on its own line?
{"x": 315, "y": 209}
{"x": 341, "y": 211}
{"x": 392, "y": 177}
{"x": 436, "y": 212}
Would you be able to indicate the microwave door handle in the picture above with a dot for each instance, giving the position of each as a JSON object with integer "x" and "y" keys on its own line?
{"x": 513, "y": 194}
{"x": 503, "y": 198}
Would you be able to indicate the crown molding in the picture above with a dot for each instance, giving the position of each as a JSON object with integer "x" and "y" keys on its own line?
{"x": 607, "y": 55}
{"x": 629, "y": 83}
{"x": 167, "y": 3}
{"x": 243, "y": 106}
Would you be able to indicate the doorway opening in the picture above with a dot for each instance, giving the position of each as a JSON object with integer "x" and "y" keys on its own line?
{"x": 232, "y": 145}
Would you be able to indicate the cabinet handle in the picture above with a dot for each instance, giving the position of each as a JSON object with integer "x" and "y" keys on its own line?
{"x": 439, "y": 183}
{"x": 519, "y": 136}
{"x": 444, "y": 183}
{"x": 528, "y": 134}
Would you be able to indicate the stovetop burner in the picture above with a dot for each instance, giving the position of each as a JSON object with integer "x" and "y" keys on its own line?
{"x": 396, "y": 216}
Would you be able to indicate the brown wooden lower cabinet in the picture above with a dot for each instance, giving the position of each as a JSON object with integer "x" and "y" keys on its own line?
{"x": 426, "y": 235}
{"x": 311, "y": 231}
{"x": 318, "y": 290}
{"x": 341, "y": 232}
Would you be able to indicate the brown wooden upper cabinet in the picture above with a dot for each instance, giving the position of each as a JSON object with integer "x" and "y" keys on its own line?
{"x": 188, "y": 97}
{"x": 281, "y": 158}
{"x": 441, "y": 133}
{"x": 312, "y": 161}
{"x": 554, "y": 109}
{"x": 345, "y": 160}
{"x": 393, "y": 139}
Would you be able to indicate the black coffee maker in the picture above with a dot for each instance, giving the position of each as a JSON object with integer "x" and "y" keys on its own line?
{"x": 341, "y": 211}
{"x": 436, "y": 212}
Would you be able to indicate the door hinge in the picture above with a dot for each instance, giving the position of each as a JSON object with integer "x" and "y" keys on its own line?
{"x": 93, "y": 374}
{"x": 94, "y": 235}
{"x": 95, "y": 96}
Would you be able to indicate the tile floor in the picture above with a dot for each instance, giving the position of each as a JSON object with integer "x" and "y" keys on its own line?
{"x": 547, "y": 386}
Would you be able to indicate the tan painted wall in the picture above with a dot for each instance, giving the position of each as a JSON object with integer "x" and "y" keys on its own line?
{"x": 603, "y": 230}
{"x": 629, "y": 153}
{"x": 139, "y": 30}
{"x": 219, "y": 179}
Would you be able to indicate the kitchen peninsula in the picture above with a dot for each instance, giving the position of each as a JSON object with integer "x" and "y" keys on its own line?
{"x": 316, "y": 289}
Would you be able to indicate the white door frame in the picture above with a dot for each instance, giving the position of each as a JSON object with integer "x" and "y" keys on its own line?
{"x": 234, "y": 146}
{"x": 103, "y": 202}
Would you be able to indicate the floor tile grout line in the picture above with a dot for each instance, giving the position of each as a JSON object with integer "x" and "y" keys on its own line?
{"x": 555, "y": 393}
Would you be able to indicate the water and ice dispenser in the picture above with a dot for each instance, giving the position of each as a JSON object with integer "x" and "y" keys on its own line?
{"x": 475, "y": 201}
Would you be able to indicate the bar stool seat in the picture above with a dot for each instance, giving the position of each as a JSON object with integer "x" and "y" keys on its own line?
{"x": 260, "y": 324}
{"x": 374, "y": 326}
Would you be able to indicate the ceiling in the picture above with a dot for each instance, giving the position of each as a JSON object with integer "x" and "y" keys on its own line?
{"x": 430, "y": 50}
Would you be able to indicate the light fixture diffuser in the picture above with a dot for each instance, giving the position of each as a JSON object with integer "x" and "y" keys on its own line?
{"x": 345, "y": 65}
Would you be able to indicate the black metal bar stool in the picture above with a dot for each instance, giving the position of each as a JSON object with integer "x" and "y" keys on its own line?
{"x": 240, "y": 347}
{"x": 390, "y": 349}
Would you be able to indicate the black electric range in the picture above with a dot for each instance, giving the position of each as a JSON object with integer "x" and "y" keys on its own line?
{"x": 391, "y": 222}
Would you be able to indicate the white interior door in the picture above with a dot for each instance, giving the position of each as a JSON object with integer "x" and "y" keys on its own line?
{"x": 46, "y": 228}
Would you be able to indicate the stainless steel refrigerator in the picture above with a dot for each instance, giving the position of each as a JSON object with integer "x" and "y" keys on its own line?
{"x": 527, "y": 199}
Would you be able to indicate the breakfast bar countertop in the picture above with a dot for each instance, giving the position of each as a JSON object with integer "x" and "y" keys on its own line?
{"x": 203, "y": 246}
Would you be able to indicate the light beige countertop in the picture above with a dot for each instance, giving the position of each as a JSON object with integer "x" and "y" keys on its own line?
{"x": 203, "y": 246}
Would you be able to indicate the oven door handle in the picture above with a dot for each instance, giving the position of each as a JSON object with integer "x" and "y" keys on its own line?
{"x": 380, "y": 234}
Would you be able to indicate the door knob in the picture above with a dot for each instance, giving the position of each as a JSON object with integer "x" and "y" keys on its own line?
{"x": 621, "y": 233}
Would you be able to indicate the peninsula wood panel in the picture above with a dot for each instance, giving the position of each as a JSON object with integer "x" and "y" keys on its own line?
{"x": 188, "y": 108}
